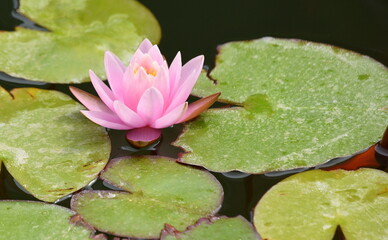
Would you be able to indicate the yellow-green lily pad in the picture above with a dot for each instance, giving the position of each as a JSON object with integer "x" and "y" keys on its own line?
{"x": 79, "y": 34}
{"x": 157, "y": 190}
{"x": 312, "y": 204}
{"x": 47, "y": 145}
{"x": 300, "y": 104}
{"x": 36, "y": 220}
{"x": 215, "y": 228}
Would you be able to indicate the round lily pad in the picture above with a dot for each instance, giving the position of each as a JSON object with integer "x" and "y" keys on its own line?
{"x": 301, "y": 104}
{"x": 215, "y": 228}
{"x": 47, "y": 145}
{"x": 312, "y": 204}
{"x": 78, "y": 35}
{"x": 35, "y": 220}
{"x": 157, "y": 190}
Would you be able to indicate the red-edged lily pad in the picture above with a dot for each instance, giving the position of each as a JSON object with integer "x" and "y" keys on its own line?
{"x": 47, "y": 145}
{"x": 301, "y": 104}
{"x": 311, "y": 205}
{"x": 36, "y": 220}
{"x": 78, "y": 35}
{"x": 215, "y": 228}
{"x": 156, "y": 190}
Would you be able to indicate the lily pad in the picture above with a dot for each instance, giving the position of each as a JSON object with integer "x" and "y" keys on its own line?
{"x": 47, "y": 145}
{"x": 302, "y": 104}
{"x": 35, "y": 220}
{"x": 215, "y": 228}
{"x": 157, "y": 191}
{"x": 79, "y": 34}
{"x": 312, "y": 204}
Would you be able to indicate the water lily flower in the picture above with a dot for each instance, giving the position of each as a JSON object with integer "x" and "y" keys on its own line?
{"x": 146, "y": 96}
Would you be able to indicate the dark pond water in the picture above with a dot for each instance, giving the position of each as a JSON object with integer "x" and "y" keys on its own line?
{"x": 197, "y": 27}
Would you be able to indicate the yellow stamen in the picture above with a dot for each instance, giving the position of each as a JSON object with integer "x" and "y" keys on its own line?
{"x": 150, "y": 71}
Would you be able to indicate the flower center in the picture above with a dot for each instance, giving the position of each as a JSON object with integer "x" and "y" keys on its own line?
{"x": 151, "y": 71}
{"x": 149, "y": 68}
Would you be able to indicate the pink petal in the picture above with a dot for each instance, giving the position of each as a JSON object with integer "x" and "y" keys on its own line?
{"x": 102, "y": 90}
{"x": 135, "y": 58}
{"x": 135, "y": 86}
{"x": 129, "y": 117}
{"x": 194, "y": 65}
{"x": 162, "y": 82}
{"x": 114, "y": 69}
{"x": 145, "y": 45}
{"x": 105, "y": 119}
{"x": 175, "y": 72}
{"x": 150, "y": 105}
{"x": 181, "y": 94}
{"x": 90, "y": 101}
{"x": 145, "y": 61}
{"x": 171, "y": 117}
{"x": 142, "y": 137}
{"x": 117, "y": 60}
{"x": 198, "y": 107}
{"x": 155, "y": 54}
{"x": 143, "y": 134}
{"x": 189, "y": 75}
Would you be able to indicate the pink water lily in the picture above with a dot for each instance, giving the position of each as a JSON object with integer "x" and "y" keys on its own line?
{"x": 146, "y": 96}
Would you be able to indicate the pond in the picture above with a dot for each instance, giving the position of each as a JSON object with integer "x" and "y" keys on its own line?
{"x": 198, "y": 28}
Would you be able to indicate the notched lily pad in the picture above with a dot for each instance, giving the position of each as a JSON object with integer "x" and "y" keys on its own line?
{"x": 47, "y": 144}
{"x": 312, "y": 204}
{"x": 157, "y": 190}
{"x": 79, "y": 34}
{"x": 302, "y": 104}
{"x": 36, "y": 220}
{"x": 215, "y": 228}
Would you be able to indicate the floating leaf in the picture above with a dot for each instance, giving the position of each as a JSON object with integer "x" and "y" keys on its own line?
{"x": 312, "y": 204}
{"x": 35, "y": 220}
{"x": 79, "y": 34}
{"x": 214, "y": 228}
{"x": 161, "y": 191}
{"x": 302, "y": 104}
{"x": 47, "y": 145}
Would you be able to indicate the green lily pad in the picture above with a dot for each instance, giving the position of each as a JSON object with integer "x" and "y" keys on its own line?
{"x": 47, "y": 145}
{"x": 157, "y": 191}
{"x": 79, "y": 34}
{"x": 312, "y": 204}
{"x": 35, "y": 220}
{"x": 214, "y": 228}
{"x": 302, "y": 104}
